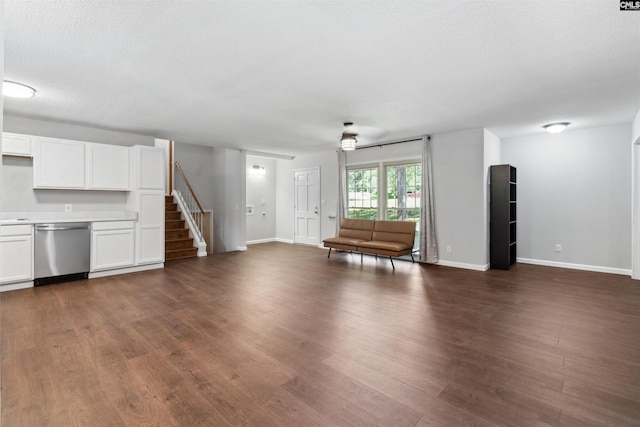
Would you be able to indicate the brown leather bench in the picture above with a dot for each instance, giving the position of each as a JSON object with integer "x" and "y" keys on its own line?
{"x": 376, "y": 237}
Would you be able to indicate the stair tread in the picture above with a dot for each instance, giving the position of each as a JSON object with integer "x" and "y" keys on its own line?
{"x": 182, "y": 250}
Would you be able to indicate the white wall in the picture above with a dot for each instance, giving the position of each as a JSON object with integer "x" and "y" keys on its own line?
{"x": 574, "y": 189}
{"x": 492, "y": 146}
{"x": 261, "y": 194}
{"x": 229, "y": 189}
{"x": 51, "y": 129}
{"x": 196, "y": 162}
{"x": 1, "y": 97}
{"x": 459, "y": 197}
{"x": 328, "y": 163}
{"x": 284, "y": 201}
{"x": 387, "y": 153}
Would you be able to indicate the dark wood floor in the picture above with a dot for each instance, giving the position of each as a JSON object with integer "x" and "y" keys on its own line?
{"x": 282, "y": 336}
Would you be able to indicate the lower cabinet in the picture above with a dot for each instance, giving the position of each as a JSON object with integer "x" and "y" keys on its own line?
{"x": 16, "y": 253}
{"x": 112, "y": 245}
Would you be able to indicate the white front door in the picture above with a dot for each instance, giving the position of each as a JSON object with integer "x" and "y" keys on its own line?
{"x": 307, "y": 206}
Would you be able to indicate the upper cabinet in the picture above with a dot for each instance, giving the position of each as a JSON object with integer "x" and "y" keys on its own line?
{"x": 150, "y": 168}
{"x": 59, "y": 163}
{"x": 66, "y": 164}
{"x": 108, "y": 167}
{"x": 14, "y": 144}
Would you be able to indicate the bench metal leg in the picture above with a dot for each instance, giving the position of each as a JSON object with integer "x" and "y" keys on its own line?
{"x": 329, "y": 254}
{"x": 413, "y": 260}
{"x": 361, "y": 254}
{"x": 391, "y": 259}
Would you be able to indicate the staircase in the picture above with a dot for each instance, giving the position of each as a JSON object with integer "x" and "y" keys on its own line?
{"x": 177, "y": 243}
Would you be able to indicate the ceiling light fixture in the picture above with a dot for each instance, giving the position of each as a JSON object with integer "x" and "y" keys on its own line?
{"x": 257, "y": 170}
{"x": 17, "y": 90}
{"x": 556, "y": 127}
{"x": 348, "y": 140}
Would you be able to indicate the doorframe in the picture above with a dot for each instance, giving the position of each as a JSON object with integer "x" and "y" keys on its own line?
{"x": 635, "y": 209}
{"x": 295, "y": 200}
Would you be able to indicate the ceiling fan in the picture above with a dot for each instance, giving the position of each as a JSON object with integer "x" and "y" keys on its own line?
{"x": 348, "y": 140}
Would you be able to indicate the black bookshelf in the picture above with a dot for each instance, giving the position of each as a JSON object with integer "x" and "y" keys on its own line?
{"x": 503, "y": 209}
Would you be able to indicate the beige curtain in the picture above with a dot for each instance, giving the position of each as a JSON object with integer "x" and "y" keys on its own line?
{"x": 341, "y": 209}
{"x": 428, "y": 245}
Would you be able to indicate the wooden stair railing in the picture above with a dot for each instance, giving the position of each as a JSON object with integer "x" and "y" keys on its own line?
{"x": 189, "y": 204}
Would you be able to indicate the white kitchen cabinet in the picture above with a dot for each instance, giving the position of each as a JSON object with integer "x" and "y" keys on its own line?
{"x": 150, "y": 227}
{"x": 108, "y": 167}
{"x": 16, "y": 253}
{"x": 16, "y": 145}
{"x": 150, "y": 168}
{"x": 59, "y": 163}
{"x": 112, "y": 245}
{"x": 147, "y": 198}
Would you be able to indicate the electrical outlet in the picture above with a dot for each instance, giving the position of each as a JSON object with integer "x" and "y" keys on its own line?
{"x": 448, "y": 249}
{"x": 68, "y": 208}
{"x": 558, "y": 248}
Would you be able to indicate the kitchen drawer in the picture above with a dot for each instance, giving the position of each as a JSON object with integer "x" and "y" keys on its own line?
{"x": 112, "y": 225}
{"x": 16, "y": 230}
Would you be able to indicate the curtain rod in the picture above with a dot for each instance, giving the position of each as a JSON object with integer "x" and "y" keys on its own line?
{"x": 393, "y": 142}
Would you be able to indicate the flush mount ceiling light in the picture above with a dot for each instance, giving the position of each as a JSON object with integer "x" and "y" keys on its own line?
{"x": 17, "y": 90}
{"x": 348, "y": 140}
{"x": 257, "y": 170}
{"x": 556, "y": 127}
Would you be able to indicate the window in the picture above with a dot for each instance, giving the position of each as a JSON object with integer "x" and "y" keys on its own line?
{"x": 404, "y": 194}
{"x": 402, "y": 186}
{"x": 362, "y": 189}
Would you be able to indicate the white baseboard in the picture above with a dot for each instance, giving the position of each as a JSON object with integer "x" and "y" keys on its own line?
{"x": 476, "y": 267}
{"x": 277, "y": 239}
{"x": 274, "y": 239}
{"x": 255, "y": 242}
{"x": 135, "y": 269}
{"x": 585, "y": 267}
{"x": 241, "y": 248}
{"x": 16, "y": 286}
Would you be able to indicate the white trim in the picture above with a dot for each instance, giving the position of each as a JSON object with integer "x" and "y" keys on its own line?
{"x": 585, "y": 267}
{"x": 635, "y": 209}
{"x": 255, "y": 242}
{"x": 16, "y": 286}
{"x": 135, "y": 269}
{"x": 277, "y": 239}
{"x": 476, "y": 267}
{"x": 194, "y": 231}
{"x": 241, "y": 248}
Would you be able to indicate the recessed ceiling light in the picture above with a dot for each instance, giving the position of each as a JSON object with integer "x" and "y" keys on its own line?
{"x": 17, "y": 90}
{"x": 556, "y": 127}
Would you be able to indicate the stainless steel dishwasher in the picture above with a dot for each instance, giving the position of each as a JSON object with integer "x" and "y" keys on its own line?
{"x": 61, "y": 252}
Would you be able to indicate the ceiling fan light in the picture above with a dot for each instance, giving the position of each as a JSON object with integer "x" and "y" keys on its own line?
{"x": 17, "y": 90}
{"x": 348, "y": 142}
{"x": 556, "y": 127}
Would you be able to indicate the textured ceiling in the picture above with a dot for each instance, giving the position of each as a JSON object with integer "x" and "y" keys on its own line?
{"x": 281, "y": 77}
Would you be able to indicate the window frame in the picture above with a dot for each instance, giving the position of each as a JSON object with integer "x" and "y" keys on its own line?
{"x": 378, "y": 184}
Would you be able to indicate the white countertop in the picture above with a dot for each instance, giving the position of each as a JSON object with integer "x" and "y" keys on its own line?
{"x": 10, "y": 218}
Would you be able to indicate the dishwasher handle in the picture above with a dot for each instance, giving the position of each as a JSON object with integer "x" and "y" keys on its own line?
{"x": 62, "y": 227}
